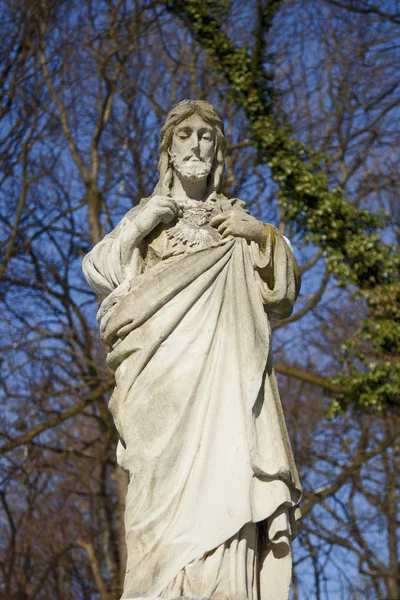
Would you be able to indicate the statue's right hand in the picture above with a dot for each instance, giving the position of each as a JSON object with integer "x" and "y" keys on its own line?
{"x": 159, "y": 209}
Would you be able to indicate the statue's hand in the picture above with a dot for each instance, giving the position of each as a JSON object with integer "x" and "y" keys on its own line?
{"x": 159, "y": 209}
{"x": 240, "y": 224}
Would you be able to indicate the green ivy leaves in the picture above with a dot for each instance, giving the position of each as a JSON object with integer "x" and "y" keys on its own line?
{"x": 352, "y": 247}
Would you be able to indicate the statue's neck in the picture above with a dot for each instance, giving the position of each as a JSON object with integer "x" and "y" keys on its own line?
{"x": 182, "y": 189}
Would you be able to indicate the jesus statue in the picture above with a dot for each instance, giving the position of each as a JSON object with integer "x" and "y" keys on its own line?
{"x": 191, "y": 282}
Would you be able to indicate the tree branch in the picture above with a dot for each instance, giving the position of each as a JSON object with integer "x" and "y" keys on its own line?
{"x": 95, "y": 567}
{"x": 361, "y": 458}
{"x": 54, "y": 421}
{"x": 61, "y": 108}
{"x": 308, "y": 377}
{"x": 310, "y": 305}
{"x": 367, "y": 10}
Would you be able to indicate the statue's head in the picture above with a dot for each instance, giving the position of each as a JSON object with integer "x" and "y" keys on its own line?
{"x": 209, "y": 158}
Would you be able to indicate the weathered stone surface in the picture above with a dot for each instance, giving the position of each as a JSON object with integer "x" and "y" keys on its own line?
{"x": 191, "y": 281}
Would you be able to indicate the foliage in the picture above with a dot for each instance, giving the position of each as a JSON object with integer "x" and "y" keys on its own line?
{"x": 352, "y": 246}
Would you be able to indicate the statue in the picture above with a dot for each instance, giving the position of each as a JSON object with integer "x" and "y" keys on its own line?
{"x": 191, "y": 281}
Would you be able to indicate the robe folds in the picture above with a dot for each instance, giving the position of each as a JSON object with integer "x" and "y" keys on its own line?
{"x": 196, "y": 403}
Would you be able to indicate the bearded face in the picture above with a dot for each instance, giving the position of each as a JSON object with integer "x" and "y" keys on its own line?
{"x": 192, "y": 149}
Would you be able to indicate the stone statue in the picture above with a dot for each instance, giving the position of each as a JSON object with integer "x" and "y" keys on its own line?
{"x": 191, "y": 281}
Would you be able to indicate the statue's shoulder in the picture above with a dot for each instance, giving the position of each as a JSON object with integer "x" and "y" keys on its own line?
{"x": 126, "y": 219}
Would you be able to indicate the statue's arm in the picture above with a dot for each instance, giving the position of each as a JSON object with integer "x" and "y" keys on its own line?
{"x": 117, "y": 256}
{"x": 277, "y": 272}
{"x": 111, "y": 260}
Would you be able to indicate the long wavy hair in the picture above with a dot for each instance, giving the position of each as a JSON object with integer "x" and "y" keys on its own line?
{"x": 179, "y": 113}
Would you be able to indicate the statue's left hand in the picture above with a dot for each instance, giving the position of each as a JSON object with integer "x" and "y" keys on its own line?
{"x": 240, "y": 224}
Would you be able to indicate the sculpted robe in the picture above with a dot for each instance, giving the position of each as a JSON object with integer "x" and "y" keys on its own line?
{"x": 213, "y": 487}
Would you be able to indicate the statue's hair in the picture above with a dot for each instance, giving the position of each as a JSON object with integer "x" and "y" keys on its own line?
{"x": 181, "y": 111}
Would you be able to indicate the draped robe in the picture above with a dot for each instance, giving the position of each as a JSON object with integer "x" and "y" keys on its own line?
{"x": 196, "y": 405}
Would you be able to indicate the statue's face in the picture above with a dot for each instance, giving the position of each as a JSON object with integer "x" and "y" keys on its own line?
{"x": 193, "y": 148}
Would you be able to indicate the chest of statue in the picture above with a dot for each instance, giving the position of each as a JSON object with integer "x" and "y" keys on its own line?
{"x": 191, "y": 232}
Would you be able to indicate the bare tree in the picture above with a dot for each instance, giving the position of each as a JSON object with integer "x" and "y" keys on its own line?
{"x": 84, "y": 90}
